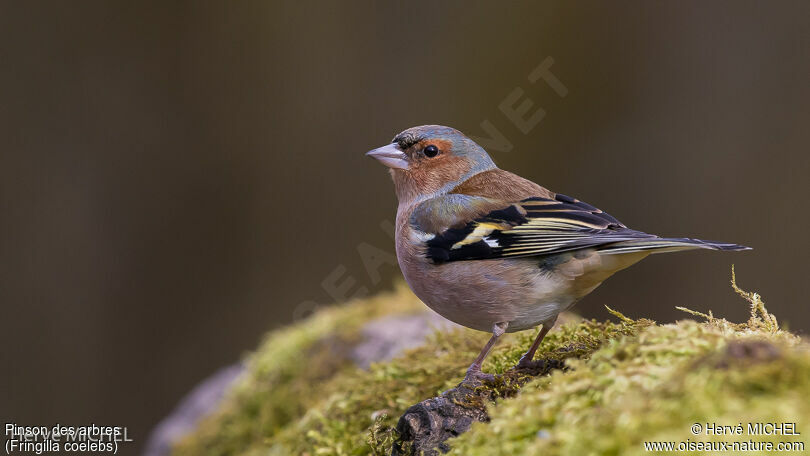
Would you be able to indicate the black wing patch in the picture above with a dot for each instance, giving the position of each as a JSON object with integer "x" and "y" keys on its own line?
{"x": 465, "y": 243}
{"x": 532, "y": 227}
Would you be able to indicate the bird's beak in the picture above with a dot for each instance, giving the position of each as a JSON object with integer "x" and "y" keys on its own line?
{"x": 390, "y": 156}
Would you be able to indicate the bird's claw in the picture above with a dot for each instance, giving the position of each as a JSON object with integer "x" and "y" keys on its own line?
{"x": 477, "y": 376}
{"x": 529, "y": 364}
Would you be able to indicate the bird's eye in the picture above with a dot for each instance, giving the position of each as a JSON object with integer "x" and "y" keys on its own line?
{"x": 431, "y": 151}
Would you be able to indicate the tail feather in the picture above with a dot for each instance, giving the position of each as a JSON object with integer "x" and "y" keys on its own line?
{"x": 662, "y": 245}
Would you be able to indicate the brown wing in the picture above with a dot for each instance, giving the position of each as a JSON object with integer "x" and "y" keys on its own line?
{"x": 532, "y": 227}
{"x": 498, "y": 214}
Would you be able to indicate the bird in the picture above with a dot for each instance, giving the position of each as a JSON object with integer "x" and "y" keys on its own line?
{"x": 492, "y": 251}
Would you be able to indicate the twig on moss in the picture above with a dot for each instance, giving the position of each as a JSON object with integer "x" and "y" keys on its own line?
{"x": 709, "y": 317}
{"x": 760, "y": 317}
{"x": 621, "y": 316}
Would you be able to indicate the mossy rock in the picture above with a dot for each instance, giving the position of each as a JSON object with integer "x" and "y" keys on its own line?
{"x": 624, "y": 384}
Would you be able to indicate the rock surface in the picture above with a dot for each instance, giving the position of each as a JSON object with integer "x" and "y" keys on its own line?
{"x": 382, "y": 339}
{"x": 200, "y": 402}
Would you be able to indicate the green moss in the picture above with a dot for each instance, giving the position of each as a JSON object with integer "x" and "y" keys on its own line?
{"x": 360, "y": 409}
{"x": 625, "y": 383}
{"x": 652, "y": 387}
{"x": 286, "y": 374}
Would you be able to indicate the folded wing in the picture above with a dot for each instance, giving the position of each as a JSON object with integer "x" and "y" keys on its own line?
{"x": 543, "y": 226}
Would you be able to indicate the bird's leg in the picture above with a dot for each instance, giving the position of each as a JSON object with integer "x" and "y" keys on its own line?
{"x": 526, "y": 359}
{"x": 474, "y": 372}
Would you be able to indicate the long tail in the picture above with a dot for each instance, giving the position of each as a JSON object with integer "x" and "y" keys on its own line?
{"x": 662, "y": 245}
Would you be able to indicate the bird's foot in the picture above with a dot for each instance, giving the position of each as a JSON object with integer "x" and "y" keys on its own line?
{"x": 527, "y": 363}
{"x": 475, "y": 375}
{"x": 530, "y": 365}
{"x": 538, "y": 366}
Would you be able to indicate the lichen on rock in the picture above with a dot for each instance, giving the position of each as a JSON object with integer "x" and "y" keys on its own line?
{"x": 623, "y": 384}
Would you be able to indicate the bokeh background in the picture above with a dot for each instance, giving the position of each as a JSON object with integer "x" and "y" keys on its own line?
{"x": 177, "y": 178}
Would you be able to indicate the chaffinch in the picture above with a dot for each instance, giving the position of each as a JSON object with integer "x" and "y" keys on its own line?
{"x": 493, "y": 251}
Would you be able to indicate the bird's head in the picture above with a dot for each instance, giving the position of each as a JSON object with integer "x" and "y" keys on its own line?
{"x": 430, "y": 160}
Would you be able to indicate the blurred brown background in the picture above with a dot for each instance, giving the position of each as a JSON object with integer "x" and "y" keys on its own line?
{"x": 176, "y": 178}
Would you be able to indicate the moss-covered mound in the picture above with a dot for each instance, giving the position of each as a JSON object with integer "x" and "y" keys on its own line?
{"x": 626, "y": 383}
